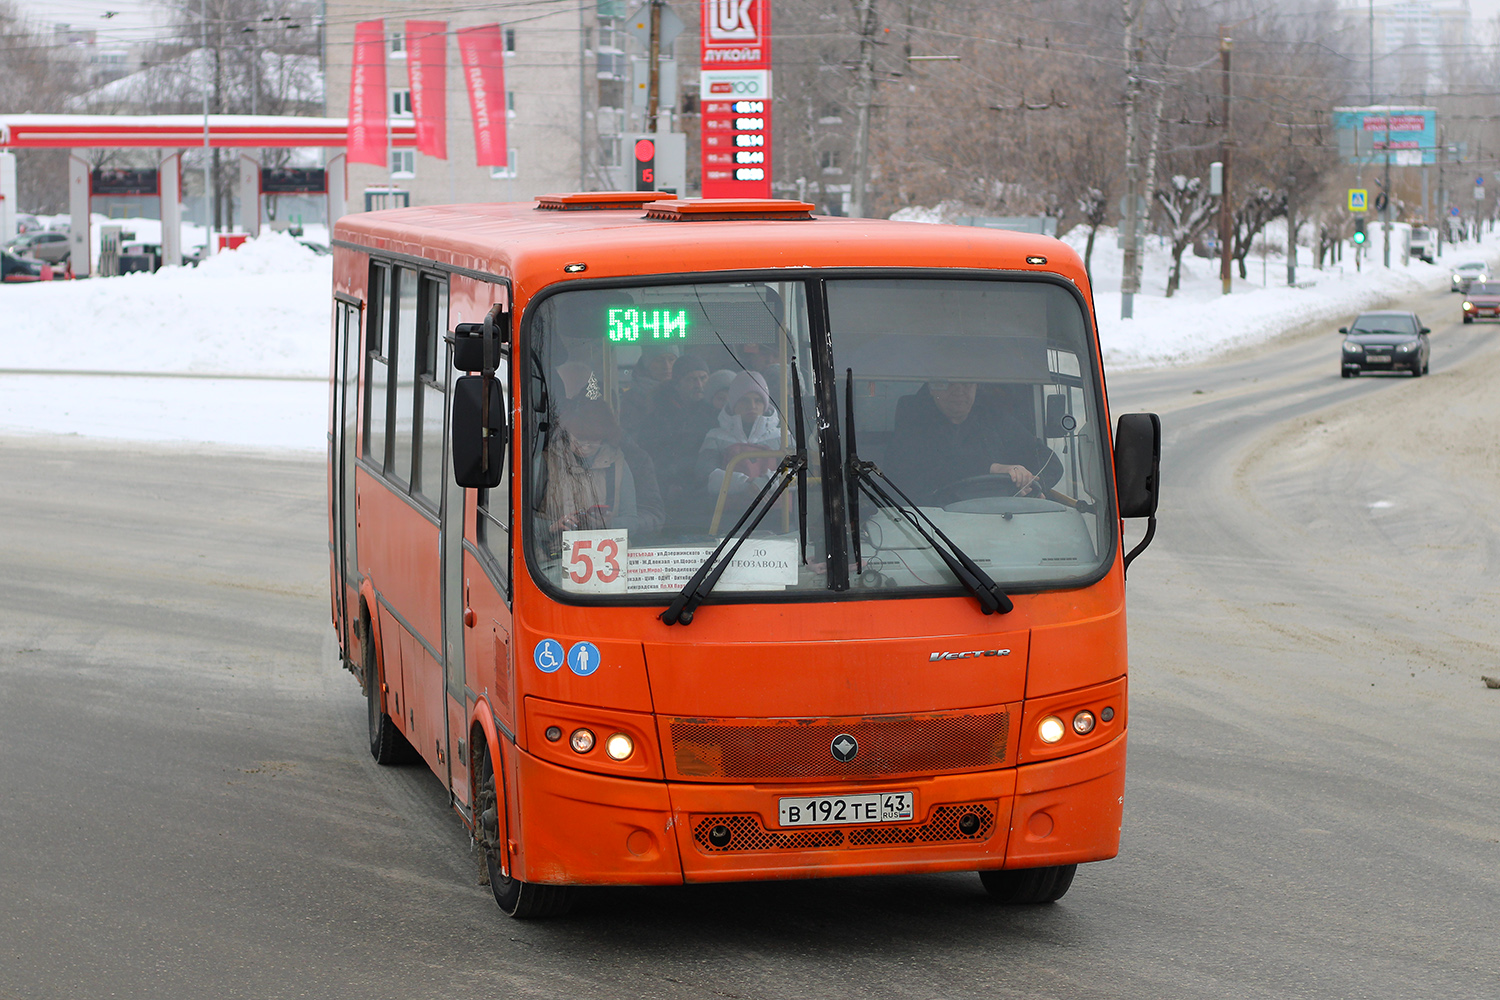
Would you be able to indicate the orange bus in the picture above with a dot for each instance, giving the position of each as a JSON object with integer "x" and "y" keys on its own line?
{"x": 700, "y": 540}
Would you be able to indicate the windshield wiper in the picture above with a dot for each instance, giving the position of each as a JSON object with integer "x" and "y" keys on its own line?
{"x": 793, "y": 466}
{"x": 863, "y": 476}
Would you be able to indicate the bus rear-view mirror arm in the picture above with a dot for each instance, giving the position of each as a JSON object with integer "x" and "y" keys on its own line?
{"x": 479, "y": 434}
{"x": 1138, "y": 472}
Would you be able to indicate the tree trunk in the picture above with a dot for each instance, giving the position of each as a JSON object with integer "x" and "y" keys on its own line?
{"x": 1088, "y": 253}
{"x": 1174, "y": 276}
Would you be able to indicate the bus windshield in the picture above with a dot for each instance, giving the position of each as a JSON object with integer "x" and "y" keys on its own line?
{"x": 663, "y": 411}
{"x": 658, "y": 412}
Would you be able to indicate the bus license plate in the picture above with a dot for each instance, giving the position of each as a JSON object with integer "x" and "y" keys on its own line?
{"x": 830, "y": 810}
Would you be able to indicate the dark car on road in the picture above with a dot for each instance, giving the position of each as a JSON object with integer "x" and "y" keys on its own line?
{"x": 1385, "y": 342}
{"x": 1482, "y": 301}
{"x": 13, "y": 268}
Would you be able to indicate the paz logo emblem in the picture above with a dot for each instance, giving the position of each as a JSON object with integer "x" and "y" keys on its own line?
{"x": 844, "y": 748}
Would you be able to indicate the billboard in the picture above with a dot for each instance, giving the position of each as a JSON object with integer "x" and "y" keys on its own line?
{"x": 124, "y": 182}
{"x": 293, "y": 180}
{"x": 1407, "y": 136}
{"x": 735, "y": 90}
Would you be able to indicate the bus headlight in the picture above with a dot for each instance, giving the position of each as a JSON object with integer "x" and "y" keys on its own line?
{"x": 1051, "y": 729}
{"x": 582, "y": 740}
{"x": 619, "y": 746}
{"x": 1083, "y": 722}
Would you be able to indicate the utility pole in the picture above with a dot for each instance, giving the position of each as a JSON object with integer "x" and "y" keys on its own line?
{"x": 1291, "y": 205}
{"x": 1130, "y": 279}
{"x": 653, "y": 86}
{"x": 1389, "y": 197}
{"x": 1442, "y": 198}
{"x": 1226, "y": 213}
{"x": 864, "y": 12}
{"x": 208, "y": 228}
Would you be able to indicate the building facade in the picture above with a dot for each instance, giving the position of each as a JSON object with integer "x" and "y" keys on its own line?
{"x": 551, "y": 83}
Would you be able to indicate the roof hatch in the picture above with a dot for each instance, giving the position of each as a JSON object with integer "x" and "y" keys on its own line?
{"x": 728, "y": 209}
{"x": 596, "y": 201}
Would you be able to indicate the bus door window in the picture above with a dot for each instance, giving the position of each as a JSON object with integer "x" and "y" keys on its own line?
{"x": 404, "y": 375}
{"x": 377, "y": 377}
{"x": 630, "y": 495}
{"x": 951, "y": 386}
{"x": 431, "y": 356}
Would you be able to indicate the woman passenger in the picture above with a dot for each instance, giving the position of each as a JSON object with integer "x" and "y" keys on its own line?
{"x": 589, "y": 482}
{"x": 744, "y": 425}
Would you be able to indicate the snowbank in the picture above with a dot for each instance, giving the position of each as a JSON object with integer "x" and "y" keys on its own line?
{"x": 260, "y": 310}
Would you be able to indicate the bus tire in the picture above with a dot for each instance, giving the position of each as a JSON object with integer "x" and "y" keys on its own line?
{"x": 521, "y": 900}
{"x": 387, "y": 745}
{"x": 1029, "y": 885}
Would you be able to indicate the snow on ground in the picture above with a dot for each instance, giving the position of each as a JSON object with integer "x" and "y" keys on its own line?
{"x": 235, "y": 351}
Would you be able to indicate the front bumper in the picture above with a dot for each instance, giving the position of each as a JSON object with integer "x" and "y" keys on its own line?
{"x": 588, "y": 829}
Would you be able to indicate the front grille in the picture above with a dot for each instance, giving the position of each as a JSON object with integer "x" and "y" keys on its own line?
{"x": 889, "y": 746}
{"x": 746, "y": 833}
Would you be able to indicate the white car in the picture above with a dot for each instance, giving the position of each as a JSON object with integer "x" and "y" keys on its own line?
{"x": 1467, "y": 273}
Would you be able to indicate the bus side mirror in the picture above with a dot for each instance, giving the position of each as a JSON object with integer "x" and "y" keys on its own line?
{"x": 1055, "y": 419}
{"x": 1137, "y": 463}
{"x": 1138, "y": 472}
{"x": 468, "y": 340}
{"x": 479, "y": 444}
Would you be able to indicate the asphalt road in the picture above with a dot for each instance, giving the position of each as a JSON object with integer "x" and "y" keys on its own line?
{"x": 187, "y": 808}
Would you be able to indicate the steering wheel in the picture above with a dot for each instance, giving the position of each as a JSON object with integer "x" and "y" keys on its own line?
{"x": 971, "y": 487}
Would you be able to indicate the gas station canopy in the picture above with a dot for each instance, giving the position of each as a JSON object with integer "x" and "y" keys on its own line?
{"x": 183, "y": 131}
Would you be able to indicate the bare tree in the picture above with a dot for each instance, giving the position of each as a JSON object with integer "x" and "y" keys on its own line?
{"x": 1189, "y": 209}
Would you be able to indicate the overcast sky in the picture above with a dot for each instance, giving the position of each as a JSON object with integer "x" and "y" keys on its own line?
{"x": 137, "y": 20}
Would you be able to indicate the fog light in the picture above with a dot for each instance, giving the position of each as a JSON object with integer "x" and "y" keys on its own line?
{"x": 1083, "y": 723}
{"x": 719, "y": 836}
{"x": 1051, "y": 730}
{"x": 1468, "y": 306}
{"x": 582, "y": 740}
{"x": 553, "y": 734}
{"x": 619, "y": 746}
{"x": 968, "y": 824}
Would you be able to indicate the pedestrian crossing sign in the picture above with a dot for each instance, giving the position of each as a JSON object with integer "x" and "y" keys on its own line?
{"x": 1359, "y": 199}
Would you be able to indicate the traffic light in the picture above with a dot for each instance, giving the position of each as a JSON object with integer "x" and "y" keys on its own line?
{"x": 1359, "y": 229}
{"x": 645, "y": 164}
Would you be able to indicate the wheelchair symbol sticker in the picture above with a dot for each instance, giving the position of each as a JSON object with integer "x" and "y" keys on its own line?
{"x": 548, "y": 656}
{"x": 584, "y": 658}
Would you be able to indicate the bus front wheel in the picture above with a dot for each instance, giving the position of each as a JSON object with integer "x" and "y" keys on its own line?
{"x": 387, "y": 745}
{"x": 522, "y": 900}
{"x": 1029, "y": 885}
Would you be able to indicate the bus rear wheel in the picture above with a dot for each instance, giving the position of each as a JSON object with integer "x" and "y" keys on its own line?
{"x": 521, "y": 900}
{"x": 387, "y": 745}
{"x": 1029, "y": 885}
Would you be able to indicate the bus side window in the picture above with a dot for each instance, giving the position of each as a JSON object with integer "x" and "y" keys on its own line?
{"x": 431, "y": 356}
{"x": 492, "y": 527}
{"x": 404, "y": 376}
{"x": 377, "y": 373}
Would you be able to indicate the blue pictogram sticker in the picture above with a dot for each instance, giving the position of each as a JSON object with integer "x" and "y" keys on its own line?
{"x": 548, "y": 655}
{"x": 584, "y": 658}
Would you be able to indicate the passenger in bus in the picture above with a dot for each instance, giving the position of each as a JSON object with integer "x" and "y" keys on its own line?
{"x": 674, "y": 429}
{"x": 716, "y": 389}
{"x": 589, "y": 481}
{"x": 745, "y": 425}
{"x": 941, "y": 437}
{"x": 580, "y": 383}
{"x": 651, "y": 372}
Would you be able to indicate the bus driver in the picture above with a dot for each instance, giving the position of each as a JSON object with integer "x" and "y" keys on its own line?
{"x": 941, "y": 438}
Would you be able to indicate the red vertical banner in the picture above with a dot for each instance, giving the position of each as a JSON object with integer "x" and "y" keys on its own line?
{"x": 367, "y": 96}
{"x": 481, "y": 51}
{"x": 427, "y": 72}
{"x": 736, "y": 98}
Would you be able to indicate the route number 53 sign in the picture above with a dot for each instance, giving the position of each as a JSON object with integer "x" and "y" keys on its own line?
{"x": 594, "y": 562}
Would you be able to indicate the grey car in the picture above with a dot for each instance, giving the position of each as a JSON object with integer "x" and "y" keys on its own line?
{"x": 1385, "y": 342}
{"x": 48, "y": 246}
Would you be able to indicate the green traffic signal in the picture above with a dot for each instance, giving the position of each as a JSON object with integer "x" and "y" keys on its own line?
{"x": 1359, "y": 231}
